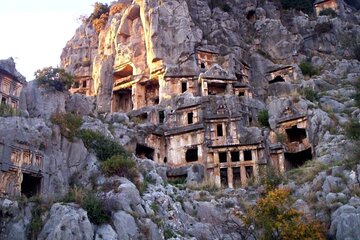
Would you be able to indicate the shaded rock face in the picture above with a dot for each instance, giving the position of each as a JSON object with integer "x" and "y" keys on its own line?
{"x": 67, "y": 222}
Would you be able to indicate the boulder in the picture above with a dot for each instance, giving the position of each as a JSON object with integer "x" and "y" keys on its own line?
{"x": 67, "y": 221}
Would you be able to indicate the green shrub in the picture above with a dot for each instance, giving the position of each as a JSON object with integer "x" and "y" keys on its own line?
{"x": 120, "y": 165}
{"x": 271, "y": 178}
{"x": 353, "y": 129}
{"x": 8, "y": 111}
{"x": 308, "y": 69}
{"x": 36, "y": 222}
{"x": 303, "y": 5}
{"x": 323, "y": 27}
{"x": 328, "y": 12}
{"x": 310, "y": 94}
{"x": 263, "y": 118}
{"x": 103, "y": 146}
{"x": 95, "y": 209}
{"x": 69, "y": 124}
{"x": 54, "y": 78}
{"x": 94, "y": 206}
{"x": 168, "y": 234}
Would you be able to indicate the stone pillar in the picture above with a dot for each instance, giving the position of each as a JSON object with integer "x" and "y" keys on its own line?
{"x": 230, "y": 177}
{"x": 204, "y": 88}
{"x": 243, "y": 176}
{"x": 229, "y": 89}
{"x": 138, "y": 97}
{"x": 281, "y": 158}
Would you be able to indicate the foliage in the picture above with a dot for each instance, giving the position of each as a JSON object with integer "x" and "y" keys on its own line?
{"x": 328, "y": 12}
{"x": 310, "y": 94}
{"x": 54, "y": 78}
{"x": 103, "y": 146}
{"x": 304, "y": 5}
{"x": 177, "y": 181}
{"x": 263, "y": 118}
{"x": 95, "y": 210}
{"x": 120, "y": 165}
{"x": 168, "y": 234}
{"x": 220, "y": 4}
{"x": 308, "y": 69}
{"x": 91, "y": 203}
{"x": 323, "y": 27}
{"x": 307, "y": 172}
{"x": 36, "y": 222}
{"x": 209, "y": 186}
{"x": 8, "y": 111}
{"x": 353, "y": 129}
{"x": 281, "y": 137}
{"x": 276, "y": 219}
{"x": 99, "y": 23}
{"x": 99, "y": 9}
{"x": 69, "y": 124}
{"x": 271, "y": 178}
{"x": 116, "y": 8}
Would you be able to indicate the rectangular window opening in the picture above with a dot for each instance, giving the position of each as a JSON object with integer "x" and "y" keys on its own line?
{"x": 183, "y": 87}
{"x": 235, "y": 156}
{"x": 222, "y": 157}
{"x": 219, "y": 130}
{"x": 190, "y": 117}
{"x": 247, "y": 155}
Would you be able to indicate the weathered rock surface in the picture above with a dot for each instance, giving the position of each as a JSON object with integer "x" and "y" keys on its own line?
{"x": 67, "y": 222}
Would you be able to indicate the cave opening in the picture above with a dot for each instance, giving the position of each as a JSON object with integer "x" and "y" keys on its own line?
{"x": 295, "y": 160}
{"x": 296, "y": 134}
{"x": 143, "y": 151}
{"x": 30, "y": 185}
{"x": 277, "y": 79}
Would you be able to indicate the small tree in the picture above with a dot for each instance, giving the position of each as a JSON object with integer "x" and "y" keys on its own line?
{"x": 263, "y": 118}
{"x": 308, "y": 69}
{"x": 275, "y": 219}
{"x": 54, "y": 78}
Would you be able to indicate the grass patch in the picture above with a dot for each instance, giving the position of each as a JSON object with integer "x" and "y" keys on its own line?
{"x": 307, "y": 172}
{"x": 209, "y": 186}
{"x": 94, "y": 206}
{"x": 69, "y": 124}
{"x": 120, "y": 165}
{"x": 308, "y": 69}
{"x": 310, "y": 94}
{"x": 8, "y": 111}
{"x": 103, "y": 146}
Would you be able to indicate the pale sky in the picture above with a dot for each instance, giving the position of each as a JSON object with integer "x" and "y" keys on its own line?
{"x": 34, "y": 32}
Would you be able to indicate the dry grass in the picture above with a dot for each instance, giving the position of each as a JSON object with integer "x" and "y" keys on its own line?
{"x": 307, "y": 172}
{"x": 203, "y": 186}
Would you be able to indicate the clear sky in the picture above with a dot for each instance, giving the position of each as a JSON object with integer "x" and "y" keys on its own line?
{"x": 34, "y": 32}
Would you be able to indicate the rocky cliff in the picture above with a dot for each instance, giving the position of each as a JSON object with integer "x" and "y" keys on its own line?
{"x": 256, "y": 57}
